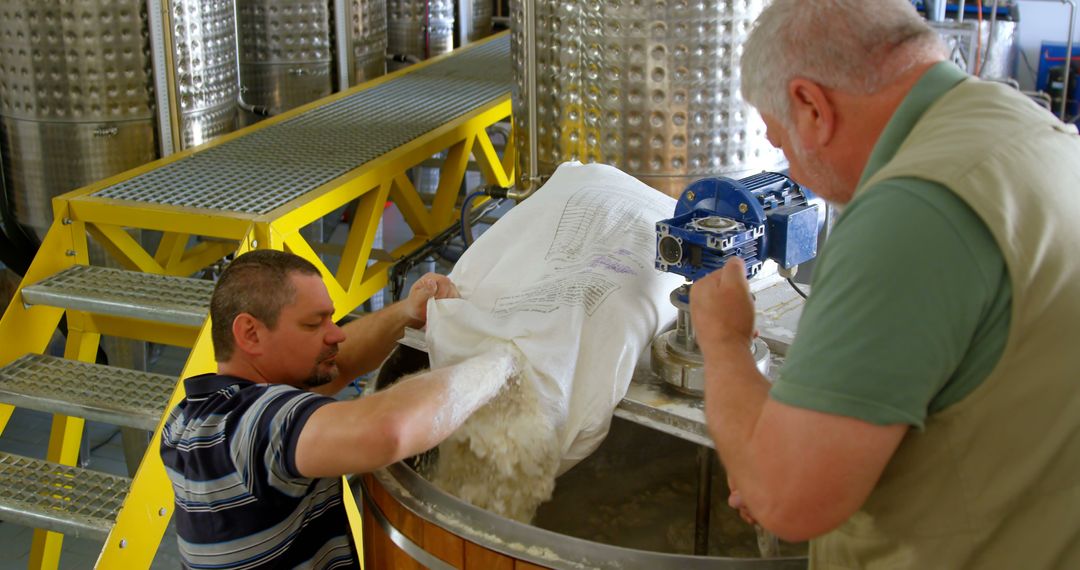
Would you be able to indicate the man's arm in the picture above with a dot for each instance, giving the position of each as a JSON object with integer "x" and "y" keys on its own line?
{"x": 799, "y": 472}
{"x": 411, "y": 417}
{"x": 369, "y": 339}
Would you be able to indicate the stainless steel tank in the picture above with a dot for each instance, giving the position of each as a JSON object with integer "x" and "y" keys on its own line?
{"x": 75, "y": 97}
{"x": 479, "y": 19}
{"x": 990, "y": 53}
{"x": 368, "y": 38}
{"x": 649, "y": 87}
{"x": 1000, "y": 50}
{"x": 76, "y": 90}
{"x": 419, "y": 28}
{"x": 285, "y": 52}
{"x": 204, "y": 48}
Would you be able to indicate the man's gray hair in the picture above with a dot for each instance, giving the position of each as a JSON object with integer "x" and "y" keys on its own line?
{"x": 857, "y": 46}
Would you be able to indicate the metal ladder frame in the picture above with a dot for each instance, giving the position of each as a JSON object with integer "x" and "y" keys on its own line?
{"x": 135, "y": 537}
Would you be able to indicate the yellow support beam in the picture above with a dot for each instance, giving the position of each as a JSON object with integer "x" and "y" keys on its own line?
{"x": 123, "y": 248}
{"x": 33, "y": 327}
{"x": 137, "y": 329}
{"x": 195, "y": 221}
{"x": 200, "y": 256}
{"x": 296, "y": 244}
{"x": 171, "y": 248}
{"x": 412, "y": 208}
{"x": 361, "y": 239}
{"x": 450, "y": 177}
{"x": 145, "y": 513}
{"x": 491, "y": 165}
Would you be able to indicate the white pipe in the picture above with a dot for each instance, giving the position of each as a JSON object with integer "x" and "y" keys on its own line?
{"x": 532, "y": 179}
{"x": 1068, "y": 58}
{"x": 992, "y": 35}
{"x": 960, "y": 11}
{"x": 935, "y": 10}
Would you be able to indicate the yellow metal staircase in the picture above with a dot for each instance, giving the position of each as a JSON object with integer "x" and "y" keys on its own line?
{"x": 256, "y": 188}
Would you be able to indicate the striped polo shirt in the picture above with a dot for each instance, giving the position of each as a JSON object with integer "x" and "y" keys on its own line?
{"x": 229, "y": 449}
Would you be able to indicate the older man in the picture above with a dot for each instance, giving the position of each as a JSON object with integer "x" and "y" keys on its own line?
{"x": 928, "y": 415}
{"x": 255, "y": 457}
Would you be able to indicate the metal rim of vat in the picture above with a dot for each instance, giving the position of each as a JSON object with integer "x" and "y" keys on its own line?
{"x": 524, "y": 542}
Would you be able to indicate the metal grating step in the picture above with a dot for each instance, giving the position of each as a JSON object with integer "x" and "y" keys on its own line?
{"x": 42, "y": 494}
{"x": 107, "y": 394}
{"x": 115, "y": 292}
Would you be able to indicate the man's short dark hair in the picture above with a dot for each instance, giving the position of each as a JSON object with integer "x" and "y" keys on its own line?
{"x": 256, "y": 283}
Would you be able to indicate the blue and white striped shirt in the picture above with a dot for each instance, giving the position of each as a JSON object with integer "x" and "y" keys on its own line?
{"x": 229, "y": 449}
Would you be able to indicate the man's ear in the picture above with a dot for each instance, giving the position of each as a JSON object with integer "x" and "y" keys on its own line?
{"x": 812, "y": 112}
{"x": 247, "y": 334}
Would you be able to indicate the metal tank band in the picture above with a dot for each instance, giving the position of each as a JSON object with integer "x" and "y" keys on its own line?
{"x": 649, "y": 87}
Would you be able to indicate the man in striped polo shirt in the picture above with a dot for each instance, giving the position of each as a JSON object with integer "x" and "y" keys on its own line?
{"x": 256, "y": 451}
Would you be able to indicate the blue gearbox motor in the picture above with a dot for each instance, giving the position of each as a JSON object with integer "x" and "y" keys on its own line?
{"x": 765, "y": 216}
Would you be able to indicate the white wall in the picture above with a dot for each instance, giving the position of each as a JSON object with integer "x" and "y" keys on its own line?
{"x": 1042, "y": 20}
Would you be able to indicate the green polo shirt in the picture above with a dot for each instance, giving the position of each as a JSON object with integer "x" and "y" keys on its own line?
{"x": 911, "y": 296}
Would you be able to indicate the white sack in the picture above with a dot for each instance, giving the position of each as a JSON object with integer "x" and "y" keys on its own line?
{"x": 568, "y": 277}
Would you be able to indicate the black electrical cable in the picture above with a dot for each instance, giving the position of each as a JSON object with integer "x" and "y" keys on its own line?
{"x": 11, "y": 255}
{"x": 796, "y": 288}
{"x": 106, "y": 442}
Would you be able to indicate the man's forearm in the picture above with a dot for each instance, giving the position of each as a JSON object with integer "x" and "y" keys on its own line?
{"x": 369, "y": 340}
{"x": 735, "y": 396}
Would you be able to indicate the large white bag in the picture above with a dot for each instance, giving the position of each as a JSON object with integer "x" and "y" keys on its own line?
{"x": 567, "y": 276}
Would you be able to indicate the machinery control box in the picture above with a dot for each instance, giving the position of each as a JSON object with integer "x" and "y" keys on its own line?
{"x": 765, "y": 216}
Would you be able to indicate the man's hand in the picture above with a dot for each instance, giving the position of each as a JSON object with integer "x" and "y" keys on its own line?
{"x": 721, "y": 308}
{"x": 430, "y": 286}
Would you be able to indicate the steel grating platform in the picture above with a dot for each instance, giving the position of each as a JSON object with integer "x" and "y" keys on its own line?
{"x": 118, "y": 396}
{"x": 267, "y": 168}
{"x": 42, "y": 494}
{"x": 108, "y": 291}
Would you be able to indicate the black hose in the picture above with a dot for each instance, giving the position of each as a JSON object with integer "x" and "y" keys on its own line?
{"x": 12, "y": 256}
{"x": 257, "y": 110}
{"x": 796, "y": 288}
{"x": 466, "y": 217}
{"x": 19, "y": 244}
